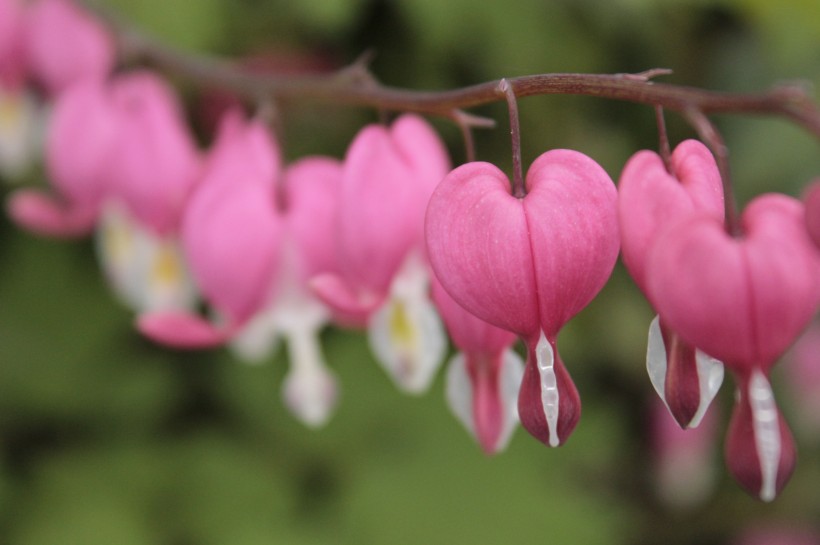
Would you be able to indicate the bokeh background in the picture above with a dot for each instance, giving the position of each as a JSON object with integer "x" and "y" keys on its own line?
{"x": 107, "y": 439}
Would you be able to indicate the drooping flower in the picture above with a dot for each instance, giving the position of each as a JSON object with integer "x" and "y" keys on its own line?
{"x": 151, "y": 169}
{"x": 683, "y": 460}
{"x": 79, "y": 140}
{"x": 12, "y": 28}
{"x": 20, "y": 127}
{"x": 743, "y": 300}
{"x": 484, "y": 377}
{"x": 791, "y": 532}
{"x": 383, "y": 281}
{"x": 650, "y": 200}
{"x": 253, "y": 236}
{"x": 20, "y": 115}
{"x": 812, "y": 203}
{"x": 528, "y": 265}
{"x": 803, "y": 374}
{"x": 64, "y": 44}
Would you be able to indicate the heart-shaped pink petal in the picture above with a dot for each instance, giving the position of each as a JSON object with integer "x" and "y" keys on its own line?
{"x": 388, "y": 176}
{"x": 571, "y": 210}
{"x": 65, "y": 44}
{"x": 528, "y": 265}
{"x": 154, "y": 163}
{"x": 311, "y": 193}
{"x": 525, "y": 264}
{"x": 232, "y": 239}
{"x": 479, "y": 247}
{"x": 744, "y": 300}
{"x": 650, "y": 198}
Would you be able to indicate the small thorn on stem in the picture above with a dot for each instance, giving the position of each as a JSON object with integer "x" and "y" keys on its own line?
{"x": 647, "y": 75}
{"x": 463, "y": 123}
{"x": 359, "y": 70}
{"x": 504, "y": 87}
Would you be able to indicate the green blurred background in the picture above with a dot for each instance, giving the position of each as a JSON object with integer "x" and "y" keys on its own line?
{"x": 107, "y": 439}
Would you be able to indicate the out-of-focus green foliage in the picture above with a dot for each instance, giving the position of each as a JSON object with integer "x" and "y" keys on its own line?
{"x": 107, "y": 439}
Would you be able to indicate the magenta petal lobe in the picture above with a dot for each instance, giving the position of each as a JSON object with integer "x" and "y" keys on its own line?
{"x": 479, "y": 248}
{"x": 181, "y": 330}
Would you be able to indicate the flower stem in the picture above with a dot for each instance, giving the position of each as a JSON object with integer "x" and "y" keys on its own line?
{"x": 519, "y": 190}
{"x": 711, "y": 136}
{"x": 356, "y": 85}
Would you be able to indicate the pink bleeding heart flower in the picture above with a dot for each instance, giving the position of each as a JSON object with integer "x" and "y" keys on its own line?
{"x": 528, "y": 265}
{"x": 65, "y": 44}
{"x": 484, "y": 377}
{"x": 253, "y": 238}
{"x": 811, "y": 200}
{"x": 79, "y": 138}
{"x": 20, "y": 118}
{"x": 683, "y": 460}
{"x": 803, "y": 374}
{"x": 793, "y": 533}
{"x": 154, "y": 161}
{"x": 383, "y": 281}
{"x": 151, "y": 168}
{"x": 229, "y": 220}
{"x": 650, "y": 200}
{"x": 389, "y": 175}
{"x": 12, "y": 28}
{"x": 743, "y": 301}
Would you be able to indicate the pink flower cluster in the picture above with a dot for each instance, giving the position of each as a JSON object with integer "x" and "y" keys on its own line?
{"x": 47, "y": 45}
{"x": 391, "y": 240}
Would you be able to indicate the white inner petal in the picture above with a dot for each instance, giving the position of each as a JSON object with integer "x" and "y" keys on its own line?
{"x": 459, "y": 392}
{"x": 20, "y": 127}
{"x": 406, "y": 334}
{"x": 310, "y": 389}
{"x": 257, "y": 339}
{"x": 291, "y": 310}
{"x": 147, "y": 272}
{"x": 656, "y": 359}
{"x": 549, "y": 387}
{"x": 512, "y": 371}
{"x": 119, "y": 251}
{"x": 166, "y": 282}
{"x": 710, "y": 377}
{"x": 766, "y": 425}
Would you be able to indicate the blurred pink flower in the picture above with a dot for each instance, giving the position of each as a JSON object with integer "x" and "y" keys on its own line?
{"x": 383, "y": 278}
{"x": 65, "y": 44}
{"x": 684, "y": 459}
{"x": 253, "y": 236}
{"x": 79, "y": 139}
{"x": 483, "y": 378}
{"x": 12, "y": 61}
{"x": 784, "y": 533}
